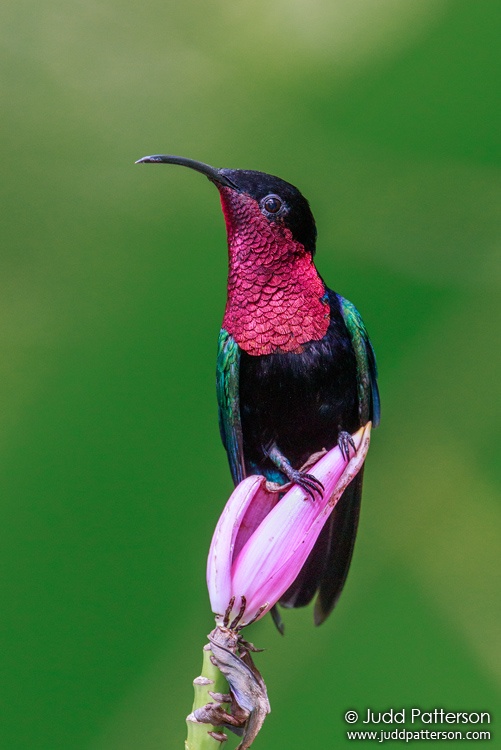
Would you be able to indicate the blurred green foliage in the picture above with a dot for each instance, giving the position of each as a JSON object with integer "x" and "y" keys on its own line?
{"x": 386, "y": 115}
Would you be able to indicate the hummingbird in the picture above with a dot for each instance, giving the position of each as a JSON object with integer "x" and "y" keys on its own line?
{"x": 296, "y": 372}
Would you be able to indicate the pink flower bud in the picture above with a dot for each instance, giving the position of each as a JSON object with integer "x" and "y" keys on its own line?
{"x": 261, "y": 543}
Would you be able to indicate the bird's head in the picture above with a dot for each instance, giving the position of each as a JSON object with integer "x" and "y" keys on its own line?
{"x": 260, "y": 210}
{"x": 276, "y": 300}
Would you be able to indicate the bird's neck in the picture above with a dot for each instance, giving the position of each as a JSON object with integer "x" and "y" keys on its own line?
{"x": 276, "y": 299}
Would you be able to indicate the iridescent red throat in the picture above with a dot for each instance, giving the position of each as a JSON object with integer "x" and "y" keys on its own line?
{"x": 275, "y": 296}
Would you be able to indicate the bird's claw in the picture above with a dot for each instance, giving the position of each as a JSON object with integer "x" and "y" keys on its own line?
{"x": 345, "y": 441}
{"x": 308, "y": 483}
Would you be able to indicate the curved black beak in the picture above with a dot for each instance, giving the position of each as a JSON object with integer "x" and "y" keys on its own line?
{"x": 214, "y": 175}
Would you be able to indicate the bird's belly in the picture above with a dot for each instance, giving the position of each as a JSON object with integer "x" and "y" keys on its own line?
{"x": 298, "y": 402}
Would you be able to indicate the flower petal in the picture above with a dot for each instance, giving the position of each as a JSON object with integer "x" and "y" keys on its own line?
{"x": 272, "y": 558}
{"x": 226, "y": 536}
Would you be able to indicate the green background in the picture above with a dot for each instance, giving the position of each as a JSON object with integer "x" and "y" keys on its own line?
{"x": 386, "y": 114}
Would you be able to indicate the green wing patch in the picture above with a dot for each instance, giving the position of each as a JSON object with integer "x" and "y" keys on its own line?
{"x": 227, "y": 383}
{"x": 368, "y": 392}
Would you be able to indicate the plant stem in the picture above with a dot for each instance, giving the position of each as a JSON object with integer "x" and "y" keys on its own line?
{"x": 210, "y": 679}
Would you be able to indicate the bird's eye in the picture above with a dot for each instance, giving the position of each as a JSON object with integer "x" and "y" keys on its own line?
{"x": 272, "y": 204}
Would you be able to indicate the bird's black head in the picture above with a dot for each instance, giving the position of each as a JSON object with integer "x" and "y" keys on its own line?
{"x": 278, "y": 201}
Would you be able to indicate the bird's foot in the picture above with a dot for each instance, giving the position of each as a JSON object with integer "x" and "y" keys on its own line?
{"x": 308, "y": 483}
{"x": 345, "y": 441}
